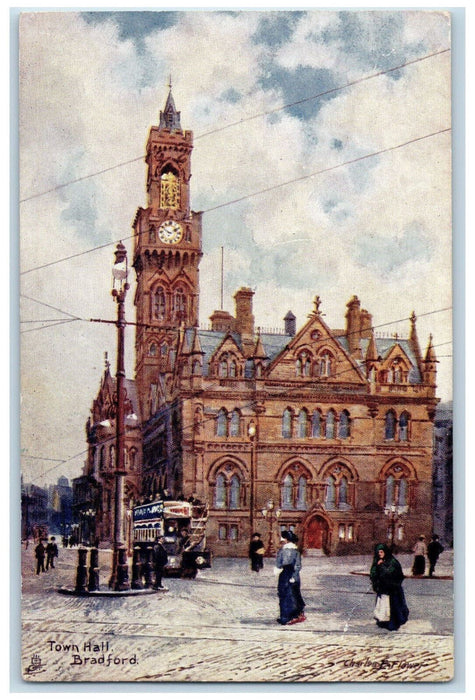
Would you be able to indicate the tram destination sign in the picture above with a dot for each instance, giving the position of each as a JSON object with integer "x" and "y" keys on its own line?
{"x": 148, "y": 511}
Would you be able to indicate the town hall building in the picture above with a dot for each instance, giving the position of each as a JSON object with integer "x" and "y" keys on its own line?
{"x": 328, "y": 432}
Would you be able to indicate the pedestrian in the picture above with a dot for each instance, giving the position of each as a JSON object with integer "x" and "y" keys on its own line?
{"x": 434, "y": 550}
{"x": 256, "y": 552}
{"x": 160, "y": 558}
{"x": 51, "y": 553}
{"x": 386, "y": 576}
{"x": 40, "y": 557}
{"x": 288, "y": 565}
{"x": 420, "y": 551}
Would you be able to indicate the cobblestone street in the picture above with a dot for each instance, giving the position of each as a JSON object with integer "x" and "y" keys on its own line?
{"x": 222, "y": 627}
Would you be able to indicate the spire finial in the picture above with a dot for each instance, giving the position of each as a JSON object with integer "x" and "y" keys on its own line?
{"x": 170, "y": 81}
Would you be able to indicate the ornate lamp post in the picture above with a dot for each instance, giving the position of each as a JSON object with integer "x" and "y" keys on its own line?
{"x": 252, "y": 432}
{"x": 393, "y": 513}
{"x": 272, "y": 515}
{"x": 119, "y": 579}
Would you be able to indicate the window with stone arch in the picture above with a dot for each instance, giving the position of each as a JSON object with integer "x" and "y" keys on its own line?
{"x": 330, "y": 425}
{"x": 396, "y": 488}
{"x": 228, "y": 487}
{"x": 303, "y": 365}
{"x": 222, "y": 423}
{"x": 338, "y": 490}
{"x": 287, "y": 418}
{"x": 179, "y": 304}
{"x": 293, "y": 490}
{"x": 344, "y": 425}
{"x": 302, "y": 423}
{"x": 159, "y": 304}
{"x": 235, "y": 424}
{"x": 169, "y": 189}
{"x": 325, "y": 364}
{"x": 404, "y": 419}
{"x": 316, "y": 424}
{"x": 390, "y": 423}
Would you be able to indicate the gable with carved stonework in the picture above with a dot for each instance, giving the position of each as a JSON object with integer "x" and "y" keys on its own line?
{"x": 315, "y": 354}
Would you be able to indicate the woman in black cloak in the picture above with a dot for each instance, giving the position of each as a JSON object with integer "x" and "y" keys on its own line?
{"x": 387, "y": 577}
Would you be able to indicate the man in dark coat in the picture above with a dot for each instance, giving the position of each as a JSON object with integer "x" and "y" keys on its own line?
{"x": 160, "y": 558}
{"x": 434, "y": 550}
{"x": 51, "y": 553}
{"x": 40, "y": 557}
{"x": 256, "y": 552}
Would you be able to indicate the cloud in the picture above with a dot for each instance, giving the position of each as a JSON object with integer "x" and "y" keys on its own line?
{"x": 91, "y": 85}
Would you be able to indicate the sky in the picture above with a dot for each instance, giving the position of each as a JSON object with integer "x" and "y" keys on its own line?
{"x": 339, "y": 194}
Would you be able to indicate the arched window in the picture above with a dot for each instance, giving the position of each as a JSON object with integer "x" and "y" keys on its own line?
{"x": 344, "y": 425}
{"x": 298, "y": 368}
{"x": 330, "y": 493}
{"x": 232, "y": 369}
{"x": 404, "y": 426}
{"x": 287, "y": 424}
{"x": 235, "y": 425}
{"x": 220, "y": 492}
{"x": 303, "y": 424}
{"x": 132, "y": 457}
{"x": 287, "y": 492}
{"x": 223, "y": 368}
{"x": 112, "y": 456}
{"x": 396, "y": 488}
{"x": 316, "y": 424}
{"x": 330, "y": 425}
{"x": 390, "y": 490}
{"x": 222, "y": 423}
{"x": 179, "y": 304}
{"x": 343, "y": 494}
{"x": 402, "y": 495}
{"x": 234, "y": 492}
{"x": 152, "y": 350}
{"x": 338, "y": 493}
{"x": 159, "y": 304}
{"x": 152, "y": 236}
{"x": 302, "y": 493}
{"x": 325, "y": 364}
{"x": 102, "y": 459}
{"x": 390, "y": 426}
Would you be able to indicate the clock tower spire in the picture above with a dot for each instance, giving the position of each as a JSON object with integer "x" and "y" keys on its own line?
{"x": 167, "y": 248}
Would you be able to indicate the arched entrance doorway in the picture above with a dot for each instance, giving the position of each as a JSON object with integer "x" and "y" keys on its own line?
{"x": 316, "y": 535}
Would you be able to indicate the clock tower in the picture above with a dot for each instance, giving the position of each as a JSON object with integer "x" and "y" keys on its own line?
{"x": 167, "y": 252}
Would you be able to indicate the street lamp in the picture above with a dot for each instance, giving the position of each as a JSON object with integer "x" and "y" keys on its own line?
{"x": 272, "y": 515}
{"x": 119, "y": 580}
{"x": 252, "y": 432}
{"x": 393, "y": 513}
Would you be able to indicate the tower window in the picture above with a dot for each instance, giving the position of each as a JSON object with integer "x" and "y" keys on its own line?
{"x": 169, "y": 190}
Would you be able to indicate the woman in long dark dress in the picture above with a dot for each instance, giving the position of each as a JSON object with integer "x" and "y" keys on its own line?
{"x": 386, "y": 577}
{"x": 288, "y": 564}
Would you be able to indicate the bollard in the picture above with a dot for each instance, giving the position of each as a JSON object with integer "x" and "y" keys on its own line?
{"x": 93, "y": 570}
{"x": 81, "y": 572}
{"x": 137, "y": 569}
{"x": 148, "y": 568}
{"x": 122, "y": 582}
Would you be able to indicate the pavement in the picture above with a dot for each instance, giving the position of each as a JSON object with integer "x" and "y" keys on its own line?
{"x": 221, "y": 627}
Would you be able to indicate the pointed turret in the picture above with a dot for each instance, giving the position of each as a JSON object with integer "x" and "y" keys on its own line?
{"x": 414, "y": 341}
{"x": 372, "y": 350}
{"x": 170, "y": 118}
{"x": 196, "y": 348}
{"x": 259, "y": 352}
{"x": 429, "y": 371}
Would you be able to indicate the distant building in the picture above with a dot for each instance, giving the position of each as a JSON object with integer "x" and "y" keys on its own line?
{"x": 60, "y": 506}
{"x": 443, "y": 474}
{"x": 34, "y": 510}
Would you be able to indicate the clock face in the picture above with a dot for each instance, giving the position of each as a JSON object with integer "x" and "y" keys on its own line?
{"x": 170, "y": 232}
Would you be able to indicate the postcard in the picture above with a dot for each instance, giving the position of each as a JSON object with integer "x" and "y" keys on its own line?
{"x": 235, "y": 235}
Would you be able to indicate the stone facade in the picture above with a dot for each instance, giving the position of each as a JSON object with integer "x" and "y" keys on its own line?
{"x": 325, "y": 431}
